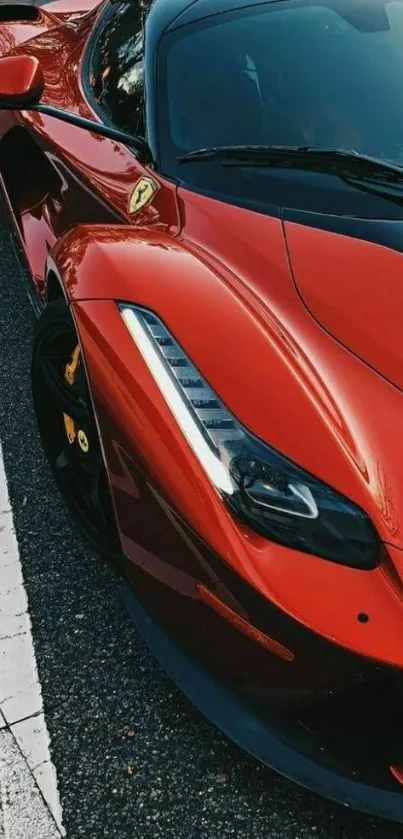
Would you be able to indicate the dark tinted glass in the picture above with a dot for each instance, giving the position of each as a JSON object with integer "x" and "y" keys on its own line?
{"x": 117, "y": 72}
{"x": 292, "y": 72}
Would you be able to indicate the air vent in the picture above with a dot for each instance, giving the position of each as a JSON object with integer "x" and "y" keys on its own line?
{"x": 215, "y": 422}
{"x": 18, "y": 12}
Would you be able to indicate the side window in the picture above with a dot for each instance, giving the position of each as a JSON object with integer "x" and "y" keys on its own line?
{"x": 117, "y": 68}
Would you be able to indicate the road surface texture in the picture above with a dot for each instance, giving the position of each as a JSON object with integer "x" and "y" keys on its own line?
{"x": 133, "y": 757}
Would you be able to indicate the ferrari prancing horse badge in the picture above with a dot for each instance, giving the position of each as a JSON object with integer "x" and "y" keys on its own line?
{"x": 142, "y": 194}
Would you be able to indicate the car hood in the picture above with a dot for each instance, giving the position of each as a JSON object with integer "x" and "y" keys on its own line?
{"x": 349, "y": 273}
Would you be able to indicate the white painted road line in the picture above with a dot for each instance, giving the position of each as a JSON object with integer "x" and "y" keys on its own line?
{"x": 27, "y": 774}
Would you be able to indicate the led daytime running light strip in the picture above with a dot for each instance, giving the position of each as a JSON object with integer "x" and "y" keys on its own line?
{"x": 212, "y": 465}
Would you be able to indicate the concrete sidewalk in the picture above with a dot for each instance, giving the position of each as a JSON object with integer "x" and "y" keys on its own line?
{"x": 23, "y": 812}
{"x": 29, "y": 799}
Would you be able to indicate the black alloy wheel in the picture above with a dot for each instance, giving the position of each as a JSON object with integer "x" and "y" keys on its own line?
{"x": 68, "y": 429}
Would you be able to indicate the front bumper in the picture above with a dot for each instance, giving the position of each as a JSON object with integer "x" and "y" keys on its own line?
{"x": 325, "y": 716}
{"x": 278, "y": 740}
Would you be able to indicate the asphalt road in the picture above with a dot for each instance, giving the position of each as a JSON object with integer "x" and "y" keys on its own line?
{"x": 134, "y": 759}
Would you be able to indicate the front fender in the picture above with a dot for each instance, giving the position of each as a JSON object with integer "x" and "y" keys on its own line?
{"x": 246, "y": 361}
{"x": 158, "y": 484}
{"x": 299, "y": 391}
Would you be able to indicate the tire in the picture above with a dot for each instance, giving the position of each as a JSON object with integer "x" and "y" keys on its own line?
{"x": 68, "y": 430}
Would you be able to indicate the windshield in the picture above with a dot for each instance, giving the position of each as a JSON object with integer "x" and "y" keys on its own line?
{"x": 296, "y": 72}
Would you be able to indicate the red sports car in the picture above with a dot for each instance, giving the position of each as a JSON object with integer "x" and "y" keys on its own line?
{"x": 209, "y": 197}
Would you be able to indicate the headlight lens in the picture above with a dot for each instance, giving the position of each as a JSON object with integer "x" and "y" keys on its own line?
{"x": 267, "y": 491}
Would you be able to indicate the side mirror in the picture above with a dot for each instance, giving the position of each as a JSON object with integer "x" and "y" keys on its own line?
{"x": 21, "y": 82}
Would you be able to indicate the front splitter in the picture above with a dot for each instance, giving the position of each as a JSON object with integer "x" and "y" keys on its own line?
{"x": 264, "y": 738}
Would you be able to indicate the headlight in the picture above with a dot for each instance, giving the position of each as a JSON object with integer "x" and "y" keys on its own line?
{"x": 267, "y": 491}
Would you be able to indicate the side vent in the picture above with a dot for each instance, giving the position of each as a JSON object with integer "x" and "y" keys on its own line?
{"x": 17, "y": 12}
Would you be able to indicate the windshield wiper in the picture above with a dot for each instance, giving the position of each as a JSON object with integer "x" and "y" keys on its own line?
{"x": 298, "y": 157}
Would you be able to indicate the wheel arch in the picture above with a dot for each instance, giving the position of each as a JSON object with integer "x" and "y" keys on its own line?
{"x": 54, "y": 289}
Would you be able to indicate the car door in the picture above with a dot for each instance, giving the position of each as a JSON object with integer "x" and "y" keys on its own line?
{"x": 67, "y": 175}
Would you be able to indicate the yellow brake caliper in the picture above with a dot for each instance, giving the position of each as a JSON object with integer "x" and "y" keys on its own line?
{"x": 69, "y": 375}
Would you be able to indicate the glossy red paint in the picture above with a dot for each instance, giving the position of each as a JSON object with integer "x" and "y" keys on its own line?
{"x": 99, "y": 172}
{"x": 354, "y": 289}
{"x": 63, "y": 10}
{"x": 231, "y": 616}
{"x": 321, "y": 419}
{"x": 29, "y": 22}
{"x": 230, "y": 266}
{"x": 227, "y": 282}
{"x": 397, "y": 773}
{"x": 139, "y": 409}
{"x": 21, "y": 79}
{"x": 89, "y": 179}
